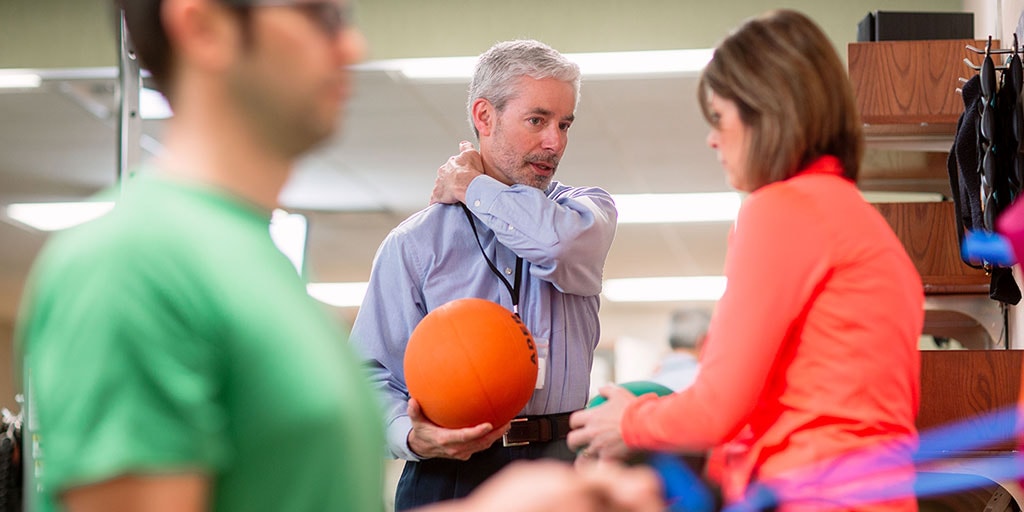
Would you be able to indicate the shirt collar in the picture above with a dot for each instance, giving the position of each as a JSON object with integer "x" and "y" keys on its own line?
{"x": 826, "y": 164}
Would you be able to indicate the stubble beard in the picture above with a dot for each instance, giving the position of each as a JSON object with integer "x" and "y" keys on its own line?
{"x": 519, "y": 169}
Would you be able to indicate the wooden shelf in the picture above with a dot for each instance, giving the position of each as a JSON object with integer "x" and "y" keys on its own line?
{"x": 910, "y": 82}
{"x": 928, "y": 233}
{"x": 932, "y": 130}
{"x": 924, "y": 137}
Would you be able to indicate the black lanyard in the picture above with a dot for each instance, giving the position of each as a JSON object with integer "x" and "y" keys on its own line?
{"x": 513, "y": 288}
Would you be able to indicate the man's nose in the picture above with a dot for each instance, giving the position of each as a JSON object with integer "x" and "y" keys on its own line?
{"x": 554, "y": 138}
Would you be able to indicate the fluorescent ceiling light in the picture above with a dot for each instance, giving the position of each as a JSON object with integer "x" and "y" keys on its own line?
{"x": 664, "y": 289}
{"x": 18, "y": 79}
{"x": 56, "y": 216}
{"x": 645, "y": 289}
{"x": 656, "y": 62}
{"x": 647, "y": 63}
{"x": 288, "y": 230}
{"x": 434, "y": 68}
{"x": 342, "y": 295}
{"x": 654, "y": 208}
{"x": 153, "y": 105}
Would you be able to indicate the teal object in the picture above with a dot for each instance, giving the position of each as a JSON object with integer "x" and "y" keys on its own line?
{"x": 637, "y": 387}
{"x": 684, "y": 490}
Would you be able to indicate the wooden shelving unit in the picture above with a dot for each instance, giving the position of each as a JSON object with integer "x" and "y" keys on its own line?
{"x": 906, "y": 92}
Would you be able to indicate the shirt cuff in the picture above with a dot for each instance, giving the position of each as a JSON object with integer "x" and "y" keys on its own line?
{"x": 482, "y": 192}
{"x": 398, "y": 439}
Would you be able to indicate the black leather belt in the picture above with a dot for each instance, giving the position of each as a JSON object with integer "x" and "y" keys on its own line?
{"x": 537, "y": 429}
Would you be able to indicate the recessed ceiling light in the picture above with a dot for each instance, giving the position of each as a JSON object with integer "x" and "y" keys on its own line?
{"x": 645, "y": 63}
{"x": 664, "y": 208}
{"x": 57, "y": 216}
{"x": 664, "y": 289}
{"x": 644, "y": 289}
{"x": 17, "y": 79}
{"x": 603, "y": 64}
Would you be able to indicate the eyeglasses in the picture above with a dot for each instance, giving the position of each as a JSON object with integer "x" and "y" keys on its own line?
{"x": 330, "y": 16}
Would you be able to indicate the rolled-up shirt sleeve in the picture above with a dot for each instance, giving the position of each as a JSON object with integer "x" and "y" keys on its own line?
{"x": 565, "y": 234}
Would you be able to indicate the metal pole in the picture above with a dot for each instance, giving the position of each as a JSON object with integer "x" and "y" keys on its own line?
{"x": 129, "y": 122}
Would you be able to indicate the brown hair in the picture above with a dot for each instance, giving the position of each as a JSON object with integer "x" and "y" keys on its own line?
{"x": 146, "y": 29}
{"x": 153, "y": 48}
{"x": 792, "y": 92}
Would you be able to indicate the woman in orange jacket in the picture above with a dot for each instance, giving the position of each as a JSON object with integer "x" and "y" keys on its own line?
{"x": 809, "y": 376}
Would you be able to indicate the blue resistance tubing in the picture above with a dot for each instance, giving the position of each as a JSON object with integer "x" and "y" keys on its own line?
{"x": 984, "y": 246}
{"x": 684, "y": 491}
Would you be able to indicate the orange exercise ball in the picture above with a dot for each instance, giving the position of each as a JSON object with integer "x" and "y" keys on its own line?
{"x": 471, "y": 361}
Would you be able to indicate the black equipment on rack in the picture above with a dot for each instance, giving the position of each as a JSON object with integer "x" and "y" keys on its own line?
{"x": 986, "y": 167}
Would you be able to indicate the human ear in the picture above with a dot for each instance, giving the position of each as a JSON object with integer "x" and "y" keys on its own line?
{"x": 483, "y": 116}
{"x": 201, "y": 32}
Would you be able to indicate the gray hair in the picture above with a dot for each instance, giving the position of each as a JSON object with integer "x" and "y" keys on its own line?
{"x": 688, "y": 328}
{"x": 499, "y": 68}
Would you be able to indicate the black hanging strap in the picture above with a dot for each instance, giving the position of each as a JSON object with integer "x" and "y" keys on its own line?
{"x": 515, "y": 286}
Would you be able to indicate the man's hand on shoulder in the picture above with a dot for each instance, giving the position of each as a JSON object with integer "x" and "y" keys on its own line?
{"x": 431, "y": 441}
{"x": 454, "y": 177}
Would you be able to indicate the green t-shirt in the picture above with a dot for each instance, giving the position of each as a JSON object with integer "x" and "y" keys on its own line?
{"x": 172, "y": 336}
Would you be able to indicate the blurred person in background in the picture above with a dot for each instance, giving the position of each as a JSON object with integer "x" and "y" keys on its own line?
{"x": 678, "y": 369}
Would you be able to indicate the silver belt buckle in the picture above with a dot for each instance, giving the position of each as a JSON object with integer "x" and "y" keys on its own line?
{"x": 504, "y": 438}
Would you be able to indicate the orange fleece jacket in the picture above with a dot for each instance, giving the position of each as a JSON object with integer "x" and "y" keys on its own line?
{"x": 811, "y": 353}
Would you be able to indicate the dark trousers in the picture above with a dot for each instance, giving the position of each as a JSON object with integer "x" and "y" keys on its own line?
{"x": 432, "y": 480}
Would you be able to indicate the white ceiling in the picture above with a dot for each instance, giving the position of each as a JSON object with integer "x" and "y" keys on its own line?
{"x": 636, "y": 135}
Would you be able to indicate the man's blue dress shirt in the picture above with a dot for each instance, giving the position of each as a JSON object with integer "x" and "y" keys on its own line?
{"x": 432, "y": 258}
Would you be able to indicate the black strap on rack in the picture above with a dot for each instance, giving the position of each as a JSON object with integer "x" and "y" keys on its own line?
{"x": 984, "y": 159}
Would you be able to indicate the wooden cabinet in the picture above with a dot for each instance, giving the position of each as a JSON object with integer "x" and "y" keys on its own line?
{"x": 907, "y": 83}
{"x": 928, "y": 233}
{"x": 964, "y": 388}
{"x": 956, "y": 295}
{"x": 967, "y": 419}
{"x": 906, "y": 94}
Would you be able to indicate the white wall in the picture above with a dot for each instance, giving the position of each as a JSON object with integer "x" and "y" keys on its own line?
{"x": 996, "y": 18}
